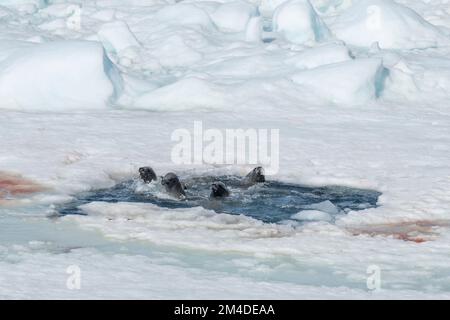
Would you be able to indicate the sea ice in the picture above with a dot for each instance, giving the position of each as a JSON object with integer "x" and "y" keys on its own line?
{"x": 254, "y": 28}
{"x": 392, "y": 25}
{"x": 20, "y": 3}
{"x": 325, "y": 206}
{"x": 398, "y": 144}
{"x": 116, "y": 36}
{"x": 184, "y": 14}
{"x": 233, "y": 16}
{"x": 202, "y": 94}
{"x": 173, "y": 51}
{"x": 312, "y": 215}
{"x": 351, "y": 82}
{"x": 299, "y": 23}
{"x": 320, "y": 55}
{"x": 79, "y": 72}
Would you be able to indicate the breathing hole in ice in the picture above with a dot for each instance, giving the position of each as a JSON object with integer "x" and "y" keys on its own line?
{"x": 271, "y": 202}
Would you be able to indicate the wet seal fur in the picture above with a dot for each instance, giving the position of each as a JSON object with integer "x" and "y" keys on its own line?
{"x": 173, "y": 186}
{"x": 219, "y": 190}
{"x": 147, "y": 174}
{"x": 255, "y": 176}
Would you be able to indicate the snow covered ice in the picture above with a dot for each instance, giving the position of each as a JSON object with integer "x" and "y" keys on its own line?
{"x": 391, "y": 24}
{"x": 356, "y": 81}
{"x": 234, "y": 16}
{"x": 92, "y": 90}
{"x": 79, "y": 72}
{"x": 298, "y": 22}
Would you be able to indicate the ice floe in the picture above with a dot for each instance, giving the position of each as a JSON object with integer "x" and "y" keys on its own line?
{"x": 351, "y": 82}
{"x": 392, "y": 25}
{"x": 299, "y": 23}
{"x": 79, "y": 72}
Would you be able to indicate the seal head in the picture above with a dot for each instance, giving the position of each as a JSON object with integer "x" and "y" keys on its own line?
{"x": 147, "y": 174}
{"x": 255, "y": 176}
{"x": 219, "y": 190}
{"x": 173, "y": 186}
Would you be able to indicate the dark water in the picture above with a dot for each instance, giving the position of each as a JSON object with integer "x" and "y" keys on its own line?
{"x": 271, "y": 201}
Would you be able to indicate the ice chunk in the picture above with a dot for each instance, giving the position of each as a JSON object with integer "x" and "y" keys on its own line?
{"x": 116, "y": 36}
{"x": 325, "y": 206}
{"x": 19, "y": 3}
{"x": 351, "y": 82}
{"x": 267, "y": 7}
{"x": 253, "y": 32}
{"x": 314, "y": 57}
{"x": 184, "y": 14}
{"x": 53, "y": 25}
{"x": 185, "y": 94}
{"x": 299, "y": 23}
{"x": 312, "y": 215}
{"x": 27, "y": 8}
{"x": 104, "y": 15}
{"x": 5, "y": 13}
{"x": 173, "y": 51}
{"x": 60, "y": 10}
{"x": 9, "y": 48}
{"x": 118, "y": 39}
{"x": 321, "y": 211}
{"x": 390, "y": 24}
{"x": 57, "y": 76}
{"x": 233, "y": 16}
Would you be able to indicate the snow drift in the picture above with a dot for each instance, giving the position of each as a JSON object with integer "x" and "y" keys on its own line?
{"x": 234, "y": 16}
{"x": 351, "y": 82}
{"x": 186, "y": 94}
{"x": 116, "y": 36}
{"x": 57, "y": 75}
{"x": 299, "y": 23}
{"x": 185, "y": 15}
{"x": 120, "y": 42}
{"x": 392, "y": 25}
{"x": 321, "y": 55}
{"x": 18, "y": 3}
{"x": 173, "y": 51}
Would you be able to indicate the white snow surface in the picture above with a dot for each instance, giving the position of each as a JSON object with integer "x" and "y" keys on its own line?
{"x": 389, "y": 23}
{"x": 234, "y": 16}
{"x": 351, "y": 82}
{"x": 83, "y": 109}
{"x": 299, "y": 23}
{"x": 319, "y": 56}
{"x": 80, "y": 73}
{"x": 312, "y": 215}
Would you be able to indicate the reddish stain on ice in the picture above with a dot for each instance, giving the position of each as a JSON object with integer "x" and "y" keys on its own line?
{"x": 12, "y": 186}
{"x": 416, "y": 231}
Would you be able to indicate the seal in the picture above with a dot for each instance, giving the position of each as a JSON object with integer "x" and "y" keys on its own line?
{"x": 255, "y": 176}
{"x": 147, "y": 174}
{"x": 219, "y": 190}
{"x": 173, "y": 186}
